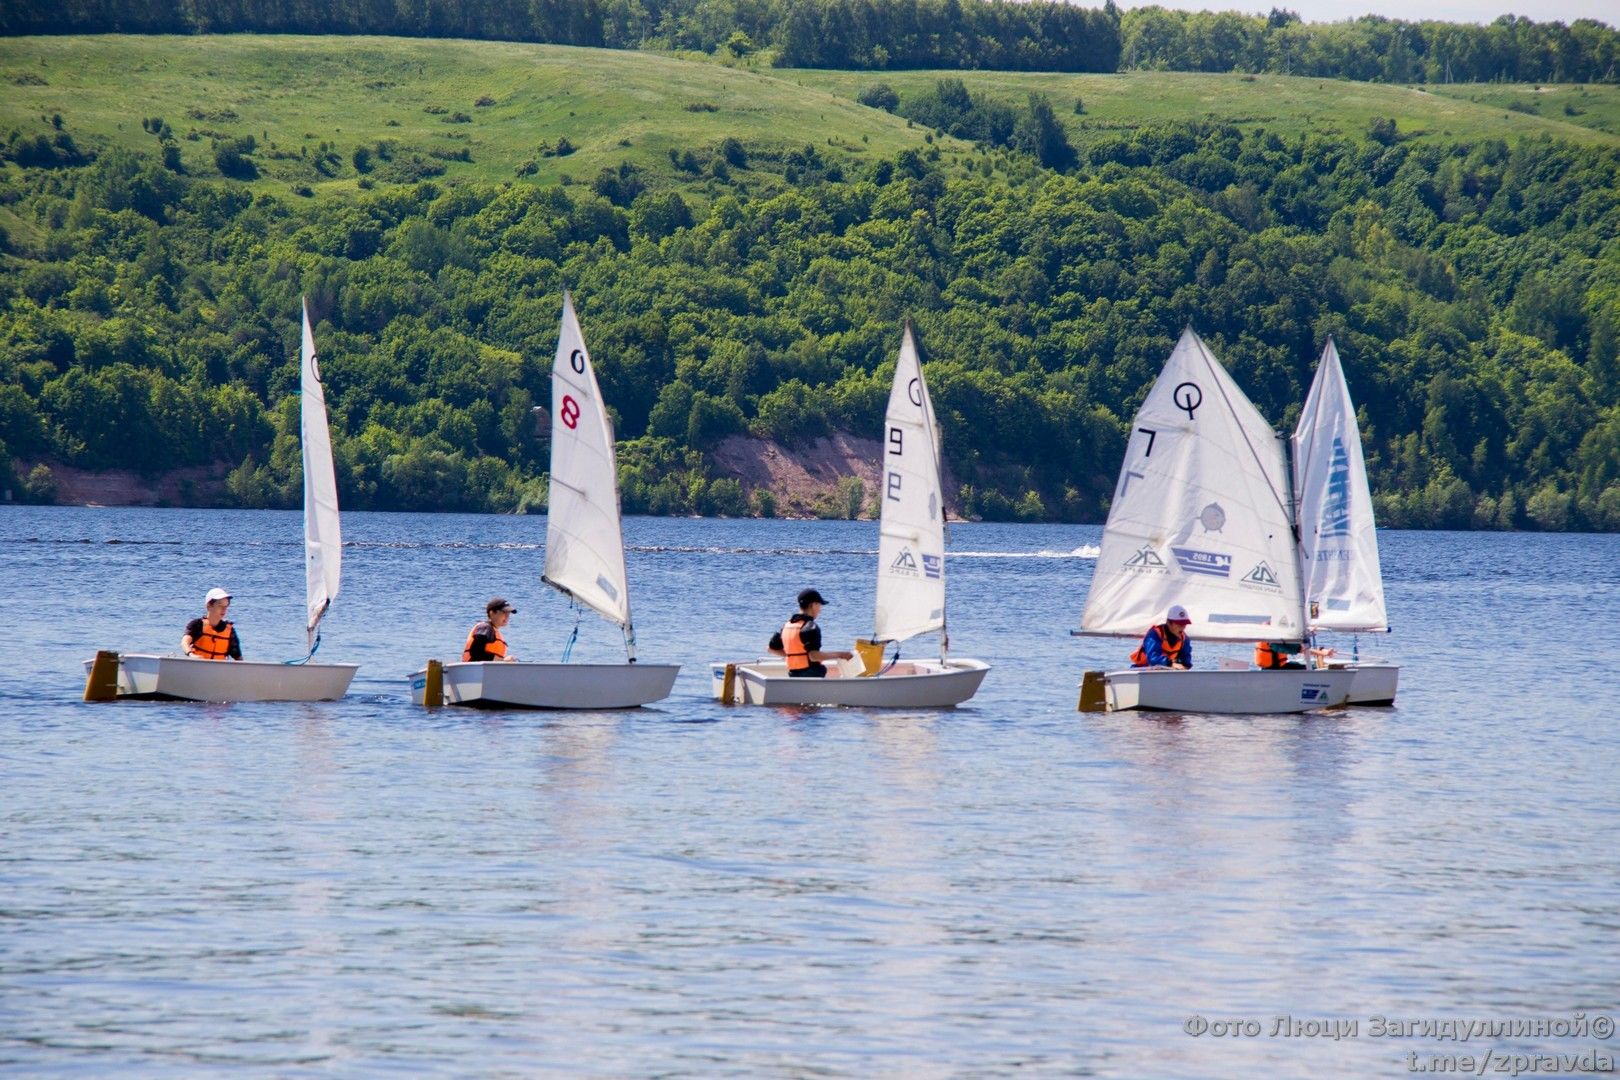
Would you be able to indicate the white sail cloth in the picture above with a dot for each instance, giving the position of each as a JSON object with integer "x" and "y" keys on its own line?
{"x": 1201, "y": 515}
{"x": 323, "y": 538}
{"x": 584, "y": 542}
{"x": 911, "y": 535}
{"x": 1344, "y": 584}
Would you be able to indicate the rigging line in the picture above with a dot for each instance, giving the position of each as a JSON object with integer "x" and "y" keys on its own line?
{"x": 579, "y": 613}
{"x": 305, "y": 660}
{"x": 1288, "y": 511}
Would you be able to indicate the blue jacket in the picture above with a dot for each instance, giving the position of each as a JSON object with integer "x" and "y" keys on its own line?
{"x": 1152, "y": 648}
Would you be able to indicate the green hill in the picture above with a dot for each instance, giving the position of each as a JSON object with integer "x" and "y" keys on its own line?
{"x": 294, "y": 93}
{"x": 1281, "y": 104}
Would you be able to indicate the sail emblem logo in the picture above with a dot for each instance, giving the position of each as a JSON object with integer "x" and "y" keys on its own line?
{"x": 1336, "y": 507}
{"x": 933, "y": 565}
{"x": 1262, "y": 576}
{"x": 1146, "y": 560}
{"x": 1206, "y": 563}
{"x": 1212, "y": 518}
{"x": 904, "y": 563}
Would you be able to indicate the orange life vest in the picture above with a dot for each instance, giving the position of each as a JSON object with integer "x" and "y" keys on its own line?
{"x": 496, "y": 648}
{"x": 1270, "y": 656}
{"x": 212, "y": 644}
{"x": 1139, "y": 658}
{"x": 798, "y": 657}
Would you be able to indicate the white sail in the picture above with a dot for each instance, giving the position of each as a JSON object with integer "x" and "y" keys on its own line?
{"x": 323, "y": 539}
{"x": 911, "y": 536}
{"x": 584, "y": 544}
{"x": 1344, "y": 586}
{"x": 1201, "y": 515}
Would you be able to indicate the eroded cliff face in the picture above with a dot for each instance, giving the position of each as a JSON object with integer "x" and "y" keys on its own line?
{"x": 198, "y": 485}
{"x": 809, "y": 480}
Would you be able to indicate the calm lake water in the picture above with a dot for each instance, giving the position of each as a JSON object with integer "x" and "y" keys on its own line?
{"x": 362, "y": 888}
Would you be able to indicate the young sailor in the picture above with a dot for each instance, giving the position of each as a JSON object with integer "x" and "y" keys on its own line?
{"x": 211, "y": 637}
{"x": 484, "y": 640}
{"x": 800, "y": 640}
{"x": 1167, "y": 644}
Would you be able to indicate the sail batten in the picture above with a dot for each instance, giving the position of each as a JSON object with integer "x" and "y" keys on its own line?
{"x": 1344, "y": 585}
{"x": 323, "y": 538}
{"x": 1201, "y": 515}
{"x": 584, "y": 539}
{"x": 911, "y": 533}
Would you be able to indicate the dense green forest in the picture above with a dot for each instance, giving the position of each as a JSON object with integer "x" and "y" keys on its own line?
{"x": 1011, "y": 35}
{"x": 150, "y": 289}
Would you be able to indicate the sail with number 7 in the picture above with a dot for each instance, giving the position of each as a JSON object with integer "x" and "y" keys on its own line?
{"x": 1201, "y": 515}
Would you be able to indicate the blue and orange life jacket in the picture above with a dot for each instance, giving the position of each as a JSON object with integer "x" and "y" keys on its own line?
{"x": 1172, "y": 653}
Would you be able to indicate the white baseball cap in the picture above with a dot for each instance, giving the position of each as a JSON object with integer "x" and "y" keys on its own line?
{"x": 216, "y": 594}
{"x": 1177, "y": 613}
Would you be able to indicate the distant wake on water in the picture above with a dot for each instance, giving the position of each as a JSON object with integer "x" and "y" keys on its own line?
{"x": 1084, "y": 551}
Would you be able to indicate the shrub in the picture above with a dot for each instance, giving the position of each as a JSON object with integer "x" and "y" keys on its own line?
{"x": 231, "y": 158}
{"x": 879, "y": 96}
{"x": 40, "y": 487}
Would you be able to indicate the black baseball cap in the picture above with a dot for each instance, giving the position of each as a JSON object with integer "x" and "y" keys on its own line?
{"x": 810, "y": 596}
{"x": 498, "y": 604}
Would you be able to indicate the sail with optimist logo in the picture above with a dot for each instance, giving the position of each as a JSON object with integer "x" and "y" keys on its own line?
{"x": 323, "y": 536}
{"x": 1344, "y": 584}
{"x": 584, "y": 538}
{"x": 1202, "y": 515}
{"x": 911, "y": 532}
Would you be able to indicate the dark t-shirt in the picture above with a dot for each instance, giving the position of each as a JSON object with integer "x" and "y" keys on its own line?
{"x": 194, "y": 632}
{"x": 809, "y": 634}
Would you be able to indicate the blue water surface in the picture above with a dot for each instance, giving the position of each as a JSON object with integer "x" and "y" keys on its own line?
{"x": 364, "y": 888}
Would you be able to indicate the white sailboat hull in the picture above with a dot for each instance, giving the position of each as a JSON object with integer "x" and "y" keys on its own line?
{"x": 909, "y": 684}
{"x": 497, "y": 684}
{"x": 185, "y": 678}
{"x": 1373, "y": 684}
{"x": 1224, "y": 691}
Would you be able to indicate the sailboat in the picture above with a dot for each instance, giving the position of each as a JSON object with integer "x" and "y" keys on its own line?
{"x": 584, "y": 562}
{"x": 1344, "y": 585}
{"x": 144, "y": 675}
{"x": 910, "y": 582}
{"x": 1203, "y": 516}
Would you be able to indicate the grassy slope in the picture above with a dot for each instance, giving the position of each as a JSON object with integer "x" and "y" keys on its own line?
{"x": 1595, "y": 106}
{"x": 1282, "y": 103}
{"x": 293, "y": 92}
{"x": 290, "y": 92}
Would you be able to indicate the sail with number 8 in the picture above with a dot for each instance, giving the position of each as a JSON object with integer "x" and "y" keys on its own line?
{"x": 584, "y": 537}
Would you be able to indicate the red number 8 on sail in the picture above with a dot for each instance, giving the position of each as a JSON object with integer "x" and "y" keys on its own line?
{"x": 570, "y": 412}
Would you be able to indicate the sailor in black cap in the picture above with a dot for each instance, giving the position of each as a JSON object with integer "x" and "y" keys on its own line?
{"x": 800, "y": 640}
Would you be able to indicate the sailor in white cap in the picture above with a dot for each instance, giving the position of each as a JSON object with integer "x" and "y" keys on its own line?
{"x": 1167, "y": 644}
{"x": 211, "y": 637}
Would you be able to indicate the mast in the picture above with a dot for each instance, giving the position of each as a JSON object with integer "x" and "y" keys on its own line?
{"x": 1293, "y": 521}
